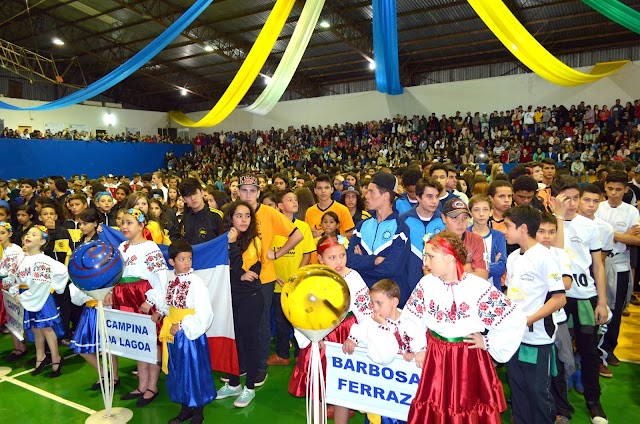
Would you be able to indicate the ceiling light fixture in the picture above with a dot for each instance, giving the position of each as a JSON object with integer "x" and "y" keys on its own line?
{"x": 325, "y": 24}
{"x": 183, "y": 91}
{"x": 57, "y": 41}
{"x": 208, "y": 48}
{"x": 372, "y": 65}
{"x": 267, "y": 79}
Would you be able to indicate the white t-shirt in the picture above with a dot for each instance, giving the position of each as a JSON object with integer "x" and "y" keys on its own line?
{"x": 531, "y": 277}
{"x": 621, "y": 218}
{"x": 565, "y": 269}
{"x": 581, "y": 239}
{"x": 606, "y": 234}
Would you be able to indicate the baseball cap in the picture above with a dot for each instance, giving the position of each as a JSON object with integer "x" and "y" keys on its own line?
{"x": 454, "y": 208}
{"x": 353, "y": 190}
{"x": 386, "y": 180}
{"x": 249, "y": 179}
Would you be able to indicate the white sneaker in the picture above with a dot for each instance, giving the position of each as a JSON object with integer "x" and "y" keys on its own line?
{"x": 245, "y": 398}
{"x": 228, "y": 391}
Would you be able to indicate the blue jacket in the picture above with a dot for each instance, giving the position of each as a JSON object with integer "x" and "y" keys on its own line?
{"x": 388, "y": 239}
{"x": 402, "y": 204}
{"x": 417, "y": 230}
{"x": 499, "y": 267}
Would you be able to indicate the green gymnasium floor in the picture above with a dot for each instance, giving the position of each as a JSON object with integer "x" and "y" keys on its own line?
{"x": 27, "y": 399}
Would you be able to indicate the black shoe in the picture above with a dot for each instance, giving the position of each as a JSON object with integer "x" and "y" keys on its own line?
{"x": 198, "y": 415}
{"x": 634, "y": 300}
{"x": 596, "y": 413}
{"x": 261, "y": 378}
{"x": 15, "y": 356}
{"x": 56, "y": 373}
{"x": 185, "y": 414}
{"x": 96, "y": 386}
{"x": 144, "y": 402}
{"x": 135, "y": 395}
{"x": 46, "y": 361}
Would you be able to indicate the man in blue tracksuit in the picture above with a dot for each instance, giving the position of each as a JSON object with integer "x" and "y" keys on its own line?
{"x": 423, "y": 220}
{"x": 380, "y": 246}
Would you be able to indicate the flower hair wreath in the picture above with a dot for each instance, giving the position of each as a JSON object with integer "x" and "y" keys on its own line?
{"x": 137, "y": 214}
{"x": 45, "y": 232}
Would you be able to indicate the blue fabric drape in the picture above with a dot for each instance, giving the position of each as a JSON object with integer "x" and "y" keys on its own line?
{"x": 127, "y": 68}
{"x": 385, "y": 46}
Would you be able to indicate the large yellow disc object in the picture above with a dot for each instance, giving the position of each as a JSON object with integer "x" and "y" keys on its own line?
{"x": 315, "y": 298}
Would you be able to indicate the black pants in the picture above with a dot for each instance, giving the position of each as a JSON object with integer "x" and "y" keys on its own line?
{"x": 559, "y": 392}
{"x": 247, "y": 310}
{"x": 587, "y": 343}
{"x": 531, "y": 400}
{"x": 283, "y": 330}
{"x": 613, "y": 328}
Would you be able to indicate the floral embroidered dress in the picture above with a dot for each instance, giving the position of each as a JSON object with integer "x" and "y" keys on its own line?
{"x": 11, "y": 257}
{"x": 383, "y": 341}
{"x": 359, "y": 309}
{"x": 459, "y": 384}
{"x": 38, "y": 276}
{"x": 144, "y": 279}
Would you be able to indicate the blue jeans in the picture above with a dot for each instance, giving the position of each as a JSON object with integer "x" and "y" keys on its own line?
{"x": 264, "y": 331}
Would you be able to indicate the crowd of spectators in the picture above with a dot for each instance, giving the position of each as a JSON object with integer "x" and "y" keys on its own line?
{"x": 588, "y": 134}
{"x": 68, "y": 134}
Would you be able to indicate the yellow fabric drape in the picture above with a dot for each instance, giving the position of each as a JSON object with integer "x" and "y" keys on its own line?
{"x": 248, "y": 71}
{"x": 175, "y": 316}
{"x": 530, "y": 52}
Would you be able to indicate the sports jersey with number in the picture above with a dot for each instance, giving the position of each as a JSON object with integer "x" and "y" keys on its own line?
{"x": 532, "y": 276}
{"x": 581, "y": 239}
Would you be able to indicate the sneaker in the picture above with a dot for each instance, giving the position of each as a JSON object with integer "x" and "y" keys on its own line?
{"x": 276, "y": 359}
{"x": 613, "y": 360}
{"x": 577, "y": 383}
{"x": 228, "y": 391}
{"x": 560, "y": 419}
{"x": 245, "y": 398}
{"x": 225, "y": 378}
{"x": 605, "y": 371}
{"x": 596, "y": 413}
{"x": 261, "y": 378}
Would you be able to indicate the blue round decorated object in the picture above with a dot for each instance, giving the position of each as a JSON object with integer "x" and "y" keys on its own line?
{"x": 95, "y": 265}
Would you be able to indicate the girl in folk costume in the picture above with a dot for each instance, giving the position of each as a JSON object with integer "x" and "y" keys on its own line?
{"x": 11, "y": 258}
{"x": 185, "y": 350}
{"x": 454, "y": 308}
{"x": 84, "y": 338}
{"x": 332, "y": 252}
{"x": 152, "y": 229}
{"x": 38, "y": 276}
{"x": 142, "y": 289}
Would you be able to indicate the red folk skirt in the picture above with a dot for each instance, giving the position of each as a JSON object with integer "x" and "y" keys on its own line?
{"x": 458, "y": 386}
{"x": 129, "y": 296}
{"x": 3, "y": 314}
{"x": 298, "y": 381}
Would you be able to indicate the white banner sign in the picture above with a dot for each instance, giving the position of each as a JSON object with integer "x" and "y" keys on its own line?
{"x": 15, "y": 315}
{"x": 356, "y": 382}
{"x": 55, "y": 127}
{"x": 132, "y": 335}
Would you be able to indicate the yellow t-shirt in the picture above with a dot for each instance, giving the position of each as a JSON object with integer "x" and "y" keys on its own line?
{"x": 270, "y": 223}
{"x": 314, "y": 217}
{"x": 537, "y": 116}
{"x": 289, "y": 262}
{"x": 252, "y": 254}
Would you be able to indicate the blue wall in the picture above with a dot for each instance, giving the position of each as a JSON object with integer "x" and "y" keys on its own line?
{"x": 39, "y": 158}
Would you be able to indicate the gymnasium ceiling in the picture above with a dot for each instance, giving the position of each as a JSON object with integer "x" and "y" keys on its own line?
{"x": 99, "y": 35}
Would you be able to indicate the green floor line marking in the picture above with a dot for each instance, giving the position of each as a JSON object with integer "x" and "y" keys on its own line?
{"x": 48, "y": 395}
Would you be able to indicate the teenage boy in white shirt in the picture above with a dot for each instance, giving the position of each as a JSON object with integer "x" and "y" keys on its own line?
{"x": 534, "y": 282}
{"x": 624, "y": 219}
{"x": 587, "y": 298}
